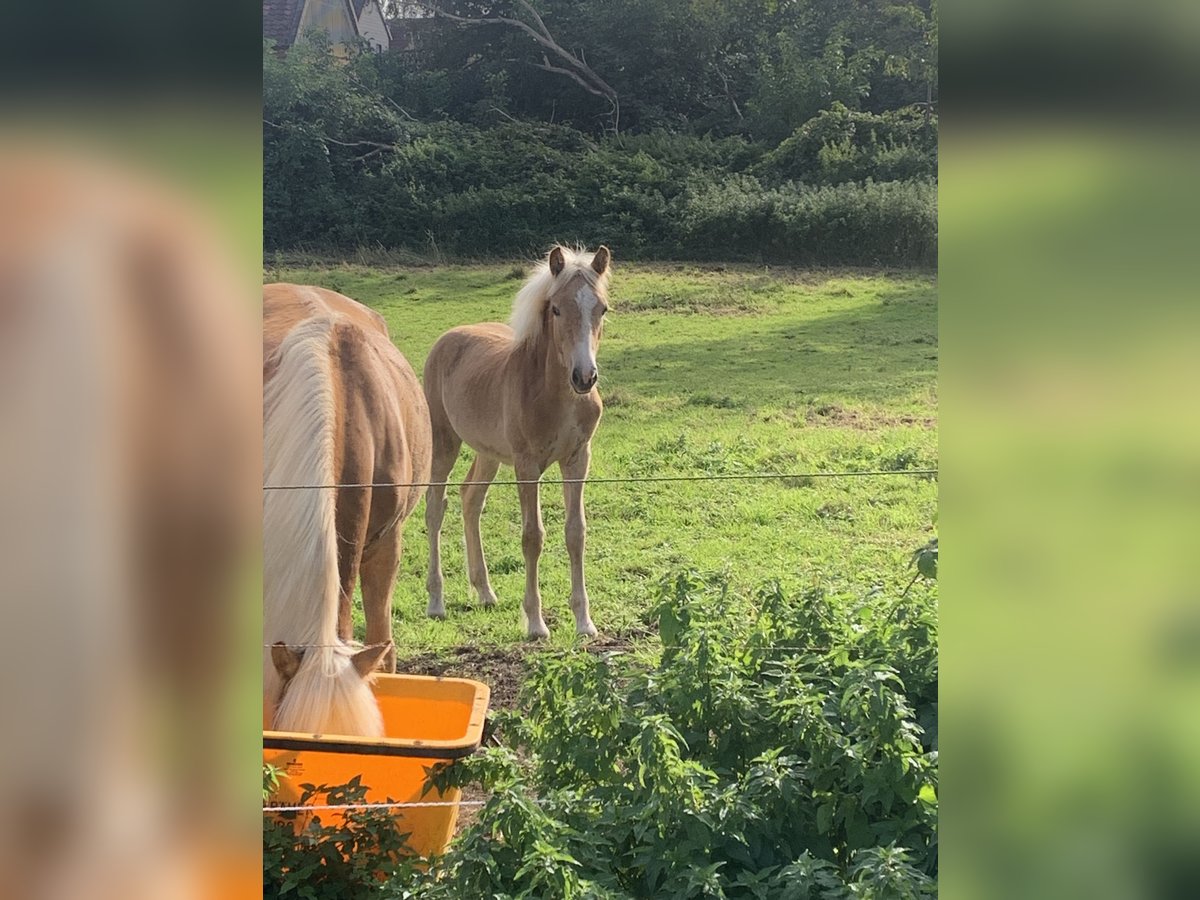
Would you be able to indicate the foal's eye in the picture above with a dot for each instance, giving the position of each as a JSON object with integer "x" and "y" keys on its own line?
{"x": 603, "y": 310}
{"x": 554, "y": 309}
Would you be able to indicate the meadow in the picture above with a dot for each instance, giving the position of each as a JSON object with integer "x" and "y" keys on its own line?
{"x": 705, "y": 369}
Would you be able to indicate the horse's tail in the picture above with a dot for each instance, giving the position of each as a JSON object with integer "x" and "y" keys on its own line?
{"x": 300, "y": 575}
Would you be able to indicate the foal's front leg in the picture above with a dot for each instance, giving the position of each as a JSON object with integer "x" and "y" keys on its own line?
{"x": 533, "y": 536}
{"x": 574, "y": 470}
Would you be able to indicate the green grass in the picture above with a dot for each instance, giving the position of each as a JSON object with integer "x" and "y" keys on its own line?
{"x": 704, "y": 369}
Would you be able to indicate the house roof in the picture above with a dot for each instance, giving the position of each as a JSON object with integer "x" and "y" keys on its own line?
{"x": 281, "y": 18}
{"x": 358, "y": 6}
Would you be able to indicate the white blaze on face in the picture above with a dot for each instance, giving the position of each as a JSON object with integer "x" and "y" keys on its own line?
{"x": 588, "y": 303}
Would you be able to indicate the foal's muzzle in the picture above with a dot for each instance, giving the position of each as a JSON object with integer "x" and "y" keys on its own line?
{"x": 583, "y": 381}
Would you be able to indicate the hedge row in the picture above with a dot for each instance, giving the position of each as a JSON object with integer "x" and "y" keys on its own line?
{"x": 504, "y": 191}
{"x": 343, "y": 169}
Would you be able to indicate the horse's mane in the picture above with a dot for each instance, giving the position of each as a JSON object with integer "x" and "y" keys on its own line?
{"x": 530, "y": 305}
{"x": 300, "y": 574}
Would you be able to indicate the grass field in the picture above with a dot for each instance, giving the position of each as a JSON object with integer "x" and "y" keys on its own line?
{"x": 704, "y": 369}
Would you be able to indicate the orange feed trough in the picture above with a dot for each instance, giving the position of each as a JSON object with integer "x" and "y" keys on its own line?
{"x": 426, "y": 721}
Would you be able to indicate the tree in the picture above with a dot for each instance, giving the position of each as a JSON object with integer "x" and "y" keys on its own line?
{"x": 573, "y": 65}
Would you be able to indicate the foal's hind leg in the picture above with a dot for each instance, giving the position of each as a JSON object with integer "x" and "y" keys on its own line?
{"x": 473, "y": 498}
{"x": 445, "y": 452}
{"x": 379, "y": 566}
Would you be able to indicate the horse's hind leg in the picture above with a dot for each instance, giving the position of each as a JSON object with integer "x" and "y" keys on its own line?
{"x": 379, "y": 566}
{"x": 445, "y": 453}
{"x": 473, "y": 498}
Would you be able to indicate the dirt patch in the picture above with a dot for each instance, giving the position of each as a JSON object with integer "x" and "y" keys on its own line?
{"x": 503, "y": 669}
{"x": 833, "y": 414}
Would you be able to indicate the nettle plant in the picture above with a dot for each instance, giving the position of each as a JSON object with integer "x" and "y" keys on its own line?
{"x": 783, "y": 746}
{"x": 363, "y": 852}
{"x": 792, "y": 757}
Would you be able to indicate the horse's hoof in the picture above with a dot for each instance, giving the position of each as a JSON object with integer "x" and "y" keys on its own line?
{"x": 488, "y": 602}
{"x": 435, "y": 613}
{"x": 587, "y": 629}
{"x": 538, "y": 633}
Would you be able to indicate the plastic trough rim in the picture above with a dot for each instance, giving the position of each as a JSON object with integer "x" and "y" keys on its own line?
{"x": 346, "y": 743}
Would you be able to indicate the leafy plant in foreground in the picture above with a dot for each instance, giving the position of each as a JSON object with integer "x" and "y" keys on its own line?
{"x": 782, "y": 758}
{"x": 334, "y": 856}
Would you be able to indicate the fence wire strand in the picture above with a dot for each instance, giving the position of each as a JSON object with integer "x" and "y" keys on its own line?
{"x": 630, "y": 479}
{"x": 616, "y": 479}
{"x": 413, "y": 804}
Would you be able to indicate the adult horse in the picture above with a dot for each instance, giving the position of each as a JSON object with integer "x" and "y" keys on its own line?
{"x": 341, "y": 405}
{"x": 525, "y": 396}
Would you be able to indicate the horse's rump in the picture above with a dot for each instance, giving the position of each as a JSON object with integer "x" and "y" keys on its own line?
{"x": 341, "y": 407}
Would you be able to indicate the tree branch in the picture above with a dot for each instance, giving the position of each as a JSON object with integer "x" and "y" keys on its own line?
{"x": 543, "y": 38}
{"x": 558, "y": 70}
{"x": 728, "y": 93}
{"x": 324, "y": 138}
{"x": 379, "y": 96}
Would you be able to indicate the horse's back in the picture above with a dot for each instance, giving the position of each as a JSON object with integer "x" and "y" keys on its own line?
{"x": 382, "y": 431}
{"x": 468, "y": 386}
{"x": 287, "y": 305}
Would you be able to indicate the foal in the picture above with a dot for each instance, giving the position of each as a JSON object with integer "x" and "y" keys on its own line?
{"x": 524, "y": 396}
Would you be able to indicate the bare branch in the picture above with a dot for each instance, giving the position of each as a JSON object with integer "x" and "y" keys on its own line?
{"x": 533, "y": 12}
{"x": 558, "y": 70}
{"x": 544, "y": 39}
{"x": 326, "y": 139}
{"x": 501, "y": 112}
{"x": 728, "y": 93}
{"x": 386, "y": 99}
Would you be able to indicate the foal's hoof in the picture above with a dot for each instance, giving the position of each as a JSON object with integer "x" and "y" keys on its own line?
{"x": 538, "y": 632}
{"x": 587, "y": 629}
{"x": 436, "y": 612}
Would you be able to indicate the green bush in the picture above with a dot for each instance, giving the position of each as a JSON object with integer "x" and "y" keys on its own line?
{"x": 790, "y": 757}
{"x": 854, "y": 224}
{"x": 784, "y": 746}
{"x": 363, "y": 853}
{"x": 344, "y": 168}
{"x": 839, "y": 145}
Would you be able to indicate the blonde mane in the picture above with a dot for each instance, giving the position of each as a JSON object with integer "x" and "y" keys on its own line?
{"x": 530, "y": 305}
{"x": 300, "y": 572}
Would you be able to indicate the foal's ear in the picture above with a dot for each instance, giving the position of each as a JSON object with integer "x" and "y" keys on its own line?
{"x": 557, "y": 260}
{"x": 286, "y": 660}
{"x": 368, "y": 659}
{"x": 601, "y": 259}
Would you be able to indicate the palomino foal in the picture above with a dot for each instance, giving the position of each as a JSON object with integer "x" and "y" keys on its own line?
{"x": 524, "y": 396}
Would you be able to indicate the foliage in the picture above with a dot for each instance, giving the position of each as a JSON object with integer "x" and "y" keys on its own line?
{"x": 470, "y": 156}
{"x": 783, "y": 746}
{"x": 785, "y": 757}
{"x": 839, "y": 145}
{"x": 334, "y": 856}
{"x": 754, "y": 67}
{"x": 893, "y": 223}
{"x": 926, "y": 559}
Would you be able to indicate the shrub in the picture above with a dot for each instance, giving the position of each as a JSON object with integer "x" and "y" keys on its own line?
{"x": 343, "y": 169}
{"x": 780, "y": 759}
{"x": 784, "y": 746}
{"x": 893, "y": 223}
{"x": 364, "y": 852}
{"x": 839, "y": 145}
